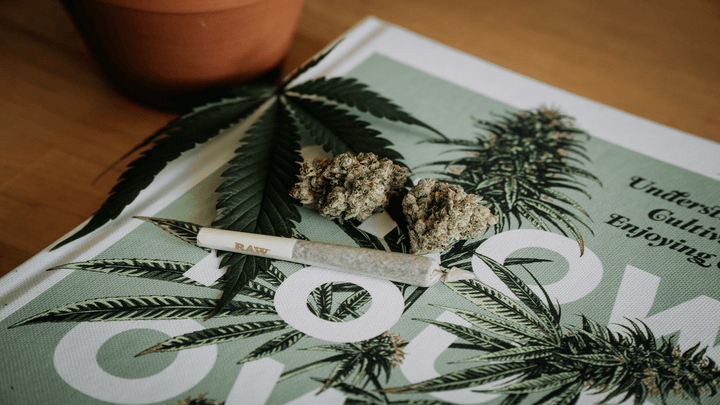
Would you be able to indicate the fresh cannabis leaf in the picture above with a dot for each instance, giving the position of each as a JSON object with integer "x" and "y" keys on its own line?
{"x": 353, "y": 93}
{"x": 170, "y": 142}
{"x": 255, "y": 191}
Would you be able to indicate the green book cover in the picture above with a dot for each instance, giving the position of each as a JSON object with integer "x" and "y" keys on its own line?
{"x": 600, "y": 281}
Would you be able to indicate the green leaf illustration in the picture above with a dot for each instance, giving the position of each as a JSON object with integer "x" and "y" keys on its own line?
{"x": 241, "y": 270}
{"x": 309, "y": 367}
{"x": 518, "y": 165}
{"x": 497, "y": 303}
{"x": 397, "y": 240}
{"x": 258, "y": 291}
{"x": 530, "y": 214}
{"x": 551, "y": 213}
{"x": 522, "y": 353}
{"x": 523, "y": 292}
{"x": 360, "y": 237}
{"x": 274, "y": 345}
{"x": 342, "y": 370}
{"x": 568, "y": 395}
{"x": 562, "y": 197}
{"x": 511, "y": 192}
{"x": 538, "y": 384}
{"x": 186, "y": 231}
{"x": 352, "y": 304}
{"x": 368, "y": 360}
{"x": 367, "y": 397}
{"x": 156, "y": 307}
{"x": 323, "y": 300}
{"x": 460, "y": 254}
{"x": 499, "y": 326}
{"x": 513, "y": 261}
{"x": 463, "y": 379}
{"x": 213, "y": 336}
{"x": 482, "y": 341}
{"x": 595, "y": 359}
{"x": 564, "y": 363}
{"x": 165, "y": 270}
{"x": 272, "y": 275}
{"x": 576, "y": 171}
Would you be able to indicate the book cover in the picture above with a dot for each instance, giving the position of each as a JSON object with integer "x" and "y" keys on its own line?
{"x": 599, "y": 282}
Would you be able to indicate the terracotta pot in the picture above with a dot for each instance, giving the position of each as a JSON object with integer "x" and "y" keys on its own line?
{"x": 160, "y": 50}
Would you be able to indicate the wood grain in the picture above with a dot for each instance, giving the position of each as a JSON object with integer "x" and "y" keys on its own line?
{"x": 62, "y": 123}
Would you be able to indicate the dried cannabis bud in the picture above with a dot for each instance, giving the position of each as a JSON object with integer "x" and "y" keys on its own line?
{"x": 439, "y": 214}
{"x": 347, "y": 187}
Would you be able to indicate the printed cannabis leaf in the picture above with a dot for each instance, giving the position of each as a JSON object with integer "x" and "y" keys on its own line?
{"x": 255, "y": 191}
{"x": 153, "y": 307}
{"x": 558, "y": 362}
{"x": 352, "y": 300}
{"x": 186, "y": 231}
{"x": 519, "y": 164}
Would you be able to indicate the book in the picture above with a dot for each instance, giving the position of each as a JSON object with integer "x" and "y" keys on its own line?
{"x": 601, "y": 281}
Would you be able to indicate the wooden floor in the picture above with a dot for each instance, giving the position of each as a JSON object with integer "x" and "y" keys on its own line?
{"x": 62, "y": 124}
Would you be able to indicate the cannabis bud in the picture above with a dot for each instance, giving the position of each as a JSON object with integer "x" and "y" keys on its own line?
{"x": 347, "y": 186}
{"x": 439, "y": 215}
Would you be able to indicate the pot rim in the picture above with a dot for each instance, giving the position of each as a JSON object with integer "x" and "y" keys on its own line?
{"x": 179, "y": 6}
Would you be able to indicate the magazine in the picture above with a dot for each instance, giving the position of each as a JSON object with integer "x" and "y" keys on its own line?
{"x": 599, "y": 281}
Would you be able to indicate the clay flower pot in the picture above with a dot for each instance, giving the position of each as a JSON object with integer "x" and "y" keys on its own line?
{"x": 159, "y": 50}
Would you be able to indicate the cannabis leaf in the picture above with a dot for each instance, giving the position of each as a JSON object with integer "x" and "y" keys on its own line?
{"x": 255, "y": 191}
{"x": 519, "y": 165}
{"x": 154, "y": 307}
{"x": 170, "y": 142}
{"x": 215, "y": 336}
{"x": 353, "y": 300}
{"x": 166, "y": 270}
{"x": 525, "y": 341}
{"x": 367, "y": 359}
{"x": 353, "y": 93}
{"x": 186, "y": 231}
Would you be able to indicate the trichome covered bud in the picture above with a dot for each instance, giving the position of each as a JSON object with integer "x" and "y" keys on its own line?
{"x": 347, "y": 186}
{"x": 440, "y": 214}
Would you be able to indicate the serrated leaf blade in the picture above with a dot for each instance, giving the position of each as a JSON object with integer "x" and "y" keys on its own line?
{"x": 497, "y": 303}
{"x": 274, "y": 345}
{"x": 523, "y": 292}
{"x": 339, "y": 131}
{"x": 522, "y": 353}
{"x": 151, "y": 307}
{"x": 538, "y": 384}
{"x": 171, "y": 141}
{"x": 255, "y": 194}
{"x": 475, "y": 337}
{"x": 463, "y": 378}
{"x": 213, "y": 336}
{"x": 186, "y": 231}
{"x": 164, "y": 270}
{"x": 351, "y": 92}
